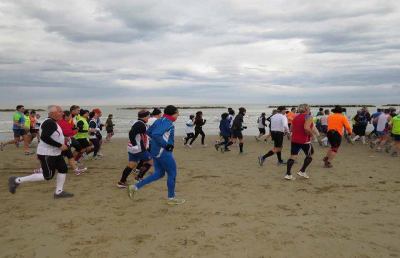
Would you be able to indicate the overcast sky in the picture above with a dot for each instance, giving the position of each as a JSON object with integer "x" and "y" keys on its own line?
{"x": 191, "y": 52}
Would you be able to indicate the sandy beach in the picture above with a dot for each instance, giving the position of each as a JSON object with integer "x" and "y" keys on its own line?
{"x": 234, "y": 208}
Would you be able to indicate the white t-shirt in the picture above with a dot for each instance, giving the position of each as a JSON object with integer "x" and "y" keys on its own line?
{"x": 279, "y": 123}
{"x": 230, "y": 119}
{"x": 259, "y": 121}
{"x": 151, "y": 121}
{"x": 189, "y": 126}
{"x": 382, "y": 120}
{"x": 324, "y": 120}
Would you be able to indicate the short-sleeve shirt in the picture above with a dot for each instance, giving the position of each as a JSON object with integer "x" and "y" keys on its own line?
{"x": 18, "y": 117}
{"x": 382, "y": 121}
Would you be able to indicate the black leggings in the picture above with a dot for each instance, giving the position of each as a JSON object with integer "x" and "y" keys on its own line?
{"x": 198, "y": 131}
{"x": 188, "y": 137}
{"x": 96, "y": 144}
{"x": 226, "y": 142}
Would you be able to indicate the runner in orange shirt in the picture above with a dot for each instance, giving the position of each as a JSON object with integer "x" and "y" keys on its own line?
{"x": 290, "y": 116}
{"x": 336, "y": 122}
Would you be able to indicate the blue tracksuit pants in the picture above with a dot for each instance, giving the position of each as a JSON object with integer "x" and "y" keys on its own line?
{"x": 164, "y": 164}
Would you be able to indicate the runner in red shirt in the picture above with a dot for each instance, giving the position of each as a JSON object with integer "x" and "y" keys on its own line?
{"x": 302, "y": 130}
{"x": 69, "y": 131}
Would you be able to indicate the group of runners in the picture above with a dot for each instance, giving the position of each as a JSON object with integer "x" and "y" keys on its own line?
{"x": 25, "y": 127}
{"x": 76, "y": 133}
{"x": 327, "y": 128}
{"x": 73, "y": 134}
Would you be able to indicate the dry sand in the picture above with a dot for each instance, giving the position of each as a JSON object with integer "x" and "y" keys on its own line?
{"x": 234, "y": 208}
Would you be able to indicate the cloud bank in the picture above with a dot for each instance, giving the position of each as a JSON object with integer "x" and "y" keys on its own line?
{"x": 200, "y": 52}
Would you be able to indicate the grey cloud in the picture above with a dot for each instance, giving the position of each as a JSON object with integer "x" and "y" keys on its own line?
{"x": 340, "y": 43}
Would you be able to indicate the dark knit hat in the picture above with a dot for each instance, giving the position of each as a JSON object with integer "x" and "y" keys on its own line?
{"x": 337, "y": 109}
{"x": 143, "y": 113}
{"x": 156, "y": 111}
{"x": 170, "y": 110}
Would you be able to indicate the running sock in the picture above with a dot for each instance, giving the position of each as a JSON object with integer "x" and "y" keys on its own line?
{"x": 31, "y": 178}
{"x": 226, "y": 145}
{"x": 60, "y": 182}
{"x": 143, "y": 169}
{"x": 279, "y": 155}
{"x": 290, "y": 163}
{"x": 269, "y": 154}
{"x": 127, "y": 171}
{"x": 307, "y": 161}
{"x": 241, "y": 147}
{"x": 139, "y": 166}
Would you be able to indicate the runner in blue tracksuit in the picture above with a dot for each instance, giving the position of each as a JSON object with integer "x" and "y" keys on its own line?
{"x": 225, "y": 132}
{"x": 162, "y": 134}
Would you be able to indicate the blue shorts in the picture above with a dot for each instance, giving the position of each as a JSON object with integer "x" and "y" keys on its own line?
{"x": 139, "y": 156}
{"x": 380, "y": 133}
{"x": 19, "y": 132}
{"x": 396, "y": 137}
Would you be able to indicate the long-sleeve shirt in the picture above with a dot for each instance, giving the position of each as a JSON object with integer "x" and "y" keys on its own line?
{"x": 337, "y": 121}
{"x": 67, "y": 128}
{"x": 238, "y": 122}
{"x": 279, "y": 123}
{"x": 161, "y": 133}
{"x": 224, "y": 127}
{"x": 109, "y": 124}
{"x": 199, "y": 122}
{"x": 189, "y": 126}
{"x": 138, "y": 136}
{"x": 52, "y": 138}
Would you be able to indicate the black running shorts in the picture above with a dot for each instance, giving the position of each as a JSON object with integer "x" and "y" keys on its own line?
{"x": 84, "y": 143}
{"x": 237, "y": 134}
{"x": 52, "y": 163}
{"x": 334, "y": 138}
{"x": 277, "y": 137}
{"x": 307, "y": 148}
{"x": 67, "y": 154}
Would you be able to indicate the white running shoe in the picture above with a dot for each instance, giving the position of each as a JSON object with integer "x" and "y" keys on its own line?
{"x": 175, "y": 201}
{"x": 289, "y": 177}
{"x": 303, "y": 174}
{"x": 79, "y": 171}
{"x": 131, "y": 191}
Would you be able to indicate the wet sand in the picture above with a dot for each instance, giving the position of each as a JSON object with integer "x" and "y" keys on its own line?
{"x": 234, "y": 208}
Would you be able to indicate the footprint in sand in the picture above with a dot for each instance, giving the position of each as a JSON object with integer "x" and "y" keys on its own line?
{"x": 187, "y": 242}
{"x": 67, "y": 225}
{"x": 205, "y": 176}
{"x": 229, "y": 225}
{"x": 184, "y": 227}
{"x": 200, "y": 234}
{"x": 141, "y": 238}
{"x": 324, "y": 189}
{"x": 284, "y": 207}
